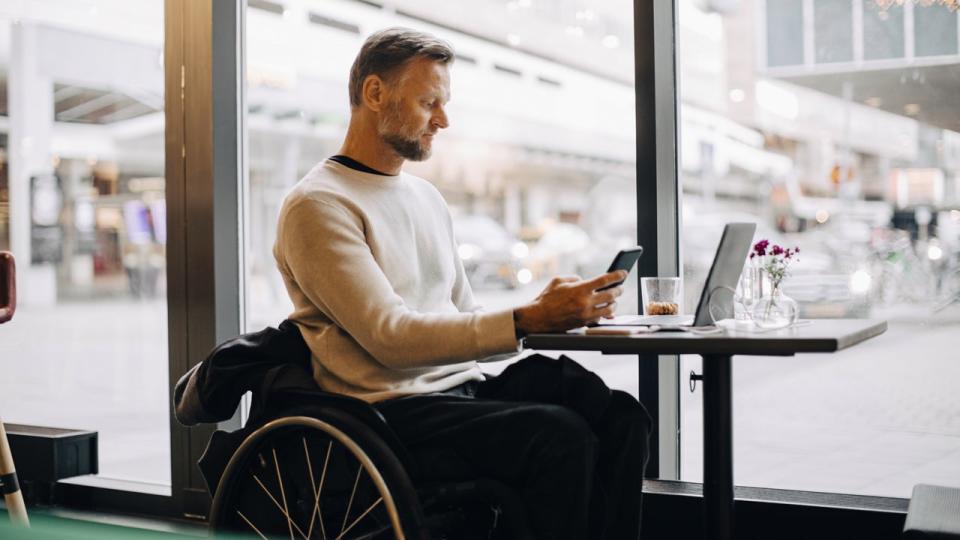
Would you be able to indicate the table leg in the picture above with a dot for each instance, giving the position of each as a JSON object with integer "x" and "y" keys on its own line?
{"x": 717, "y": 447}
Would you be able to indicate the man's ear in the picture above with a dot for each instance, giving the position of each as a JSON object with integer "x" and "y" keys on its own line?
{"x": 374, "y": 92}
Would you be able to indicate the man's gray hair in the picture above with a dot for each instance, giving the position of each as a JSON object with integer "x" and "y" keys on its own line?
{"x": 386, "y": 51}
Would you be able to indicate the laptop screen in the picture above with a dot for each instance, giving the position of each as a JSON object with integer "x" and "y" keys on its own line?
{"x": 725, "y": 273}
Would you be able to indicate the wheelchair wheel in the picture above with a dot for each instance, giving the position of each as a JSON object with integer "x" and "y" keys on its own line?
{"x": 304, "y": 477}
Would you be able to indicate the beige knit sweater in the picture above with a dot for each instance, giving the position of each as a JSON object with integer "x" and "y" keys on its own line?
{"x": 379, "y": 293}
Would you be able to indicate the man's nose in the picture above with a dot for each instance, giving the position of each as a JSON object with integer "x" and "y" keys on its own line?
{"x": 440, "y": 118}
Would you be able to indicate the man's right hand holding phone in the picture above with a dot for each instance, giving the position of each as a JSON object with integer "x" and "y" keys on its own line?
{"x": 570, "y": 302}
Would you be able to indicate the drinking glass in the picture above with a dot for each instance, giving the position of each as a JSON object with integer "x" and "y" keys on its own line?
{"x": 660, "y": 295}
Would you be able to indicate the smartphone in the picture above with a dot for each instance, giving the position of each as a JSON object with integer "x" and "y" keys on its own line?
{"x": 625, "y": 260}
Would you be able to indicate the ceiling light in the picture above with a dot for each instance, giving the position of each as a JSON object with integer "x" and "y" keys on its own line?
{"x": 611, "y": 41}
{"x": 737, "y": 95}
{"x": 911, "y": 109}
{"x": 874, "y": 101}
{"x": 513, "y": 40}
{"x": 822, "y": 216}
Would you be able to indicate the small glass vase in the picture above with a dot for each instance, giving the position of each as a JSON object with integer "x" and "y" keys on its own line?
{"x": 775, "y": 310}
{"x": 750, "y": 288}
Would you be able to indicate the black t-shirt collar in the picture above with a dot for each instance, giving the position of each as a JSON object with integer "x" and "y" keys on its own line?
{"x": 355, "y": 165}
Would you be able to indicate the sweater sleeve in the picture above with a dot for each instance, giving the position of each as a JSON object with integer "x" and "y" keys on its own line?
{"x": 325, "y": 251}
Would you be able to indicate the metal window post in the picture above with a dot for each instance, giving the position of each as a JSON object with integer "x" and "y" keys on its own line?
{"x": 658, "y": 208}
{"x": 204, "y": 96}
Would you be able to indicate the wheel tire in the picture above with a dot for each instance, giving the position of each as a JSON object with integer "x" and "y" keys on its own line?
{"x": 327, "y": 477}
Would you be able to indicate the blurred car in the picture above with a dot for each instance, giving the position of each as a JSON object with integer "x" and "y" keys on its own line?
{"x": 561, "y": 250}
{"x": 491, "y": 256}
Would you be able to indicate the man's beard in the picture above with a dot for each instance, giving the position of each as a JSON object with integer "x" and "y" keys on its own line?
{"x": 391, "y": 131}
{"x": 406, "y": 148}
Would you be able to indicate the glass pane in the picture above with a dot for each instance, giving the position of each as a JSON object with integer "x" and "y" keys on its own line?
{"x": 882, "y": 32}
{"x": 859, "y": 168}
{"x": 537, "y": 166}
{"x": 833, "y": 30}
{"x": 82, "y": 208}
{"x": 784, "y": 24}
{"x": 939, "y": 35}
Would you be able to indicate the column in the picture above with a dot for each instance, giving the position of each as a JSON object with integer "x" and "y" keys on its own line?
{"x": 30, "y": 95}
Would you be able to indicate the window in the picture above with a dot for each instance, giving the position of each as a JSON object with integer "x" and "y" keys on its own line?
{"x": 82, "y": 207}
{"x": 833, "y": 31}
{"x": 883, "y": 32}
{"x": 538, "y": 166}
{"x": 939, "y": 35}
{"x": 858, "y": 167}
{"x": 784, "y": 32}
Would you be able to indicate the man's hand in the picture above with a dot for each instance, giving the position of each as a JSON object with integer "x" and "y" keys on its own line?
{"x": 570, "y": 302}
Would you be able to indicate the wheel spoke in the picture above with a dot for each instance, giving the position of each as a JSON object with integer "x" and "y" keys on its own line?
{"x": 367, "y": 511}
{"x": 352, "y": 495}
{"x": 279, "y": 507}
{"x": 283, "y": 495}
{"x": 252, "y": 526}
{"x": 317, "y": 491}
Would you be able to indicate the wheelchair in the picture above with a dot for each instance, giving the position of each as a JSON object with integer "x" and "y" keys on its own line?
{"x": 313, "y": 464}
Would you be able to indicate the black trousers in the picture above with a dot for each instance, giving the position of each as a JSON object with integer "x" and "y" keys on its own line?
{"x": 550, "y": 429}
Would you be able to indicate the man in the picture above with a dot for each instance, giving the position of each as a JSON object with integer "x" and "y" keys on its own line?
{"x": 368, "y": 256}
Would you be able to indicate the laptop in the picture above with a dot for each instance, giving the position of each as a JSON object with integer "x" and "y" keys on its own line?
{"x": 724, "y": 272}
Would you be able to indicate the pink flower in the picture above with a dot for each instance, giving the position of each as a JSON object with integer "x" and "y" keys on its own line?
{"x": 760, "y": 248}
{"x": 777, "y": 250}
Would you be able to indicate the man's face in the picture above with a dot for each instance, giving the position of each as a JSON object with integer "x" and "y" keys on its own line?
{"x": 415, "y": 108}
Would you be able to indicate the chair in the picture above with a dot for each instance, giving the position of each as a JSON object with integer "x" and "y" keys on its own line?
{"x": 9, "y": 485}
{"x": 316, "y": 464}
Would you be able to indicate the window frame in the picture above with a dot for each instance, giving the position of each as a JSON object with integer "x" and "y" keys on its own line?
{"x": 660, "y": 131}
{"x": 204, "y": 47}
{"x": 205, "y": 158}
